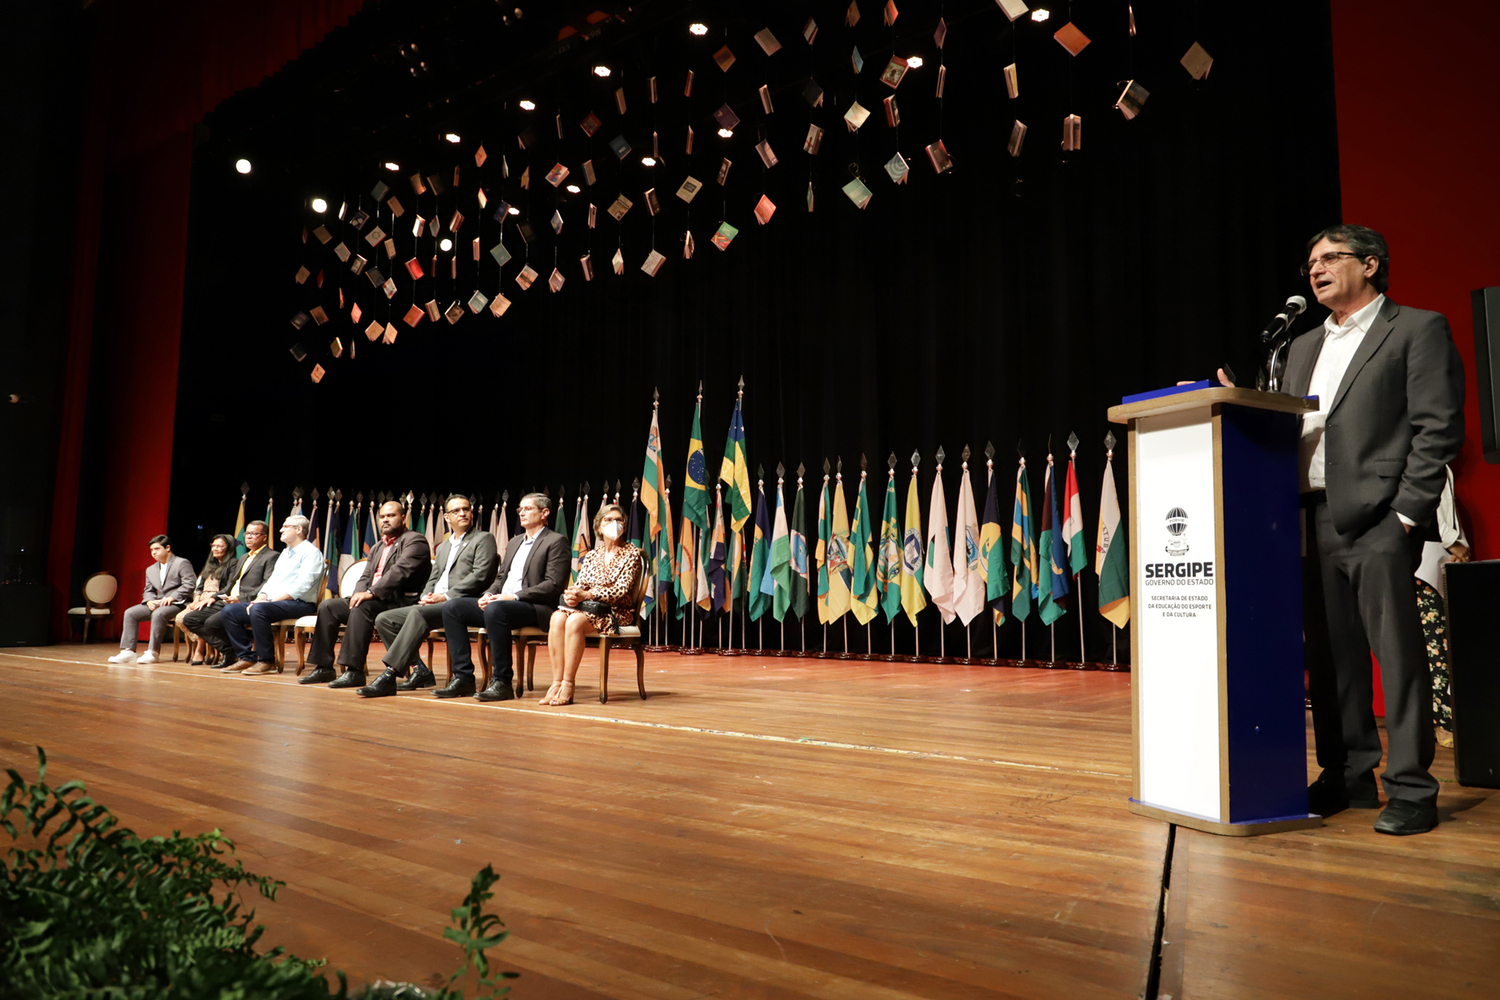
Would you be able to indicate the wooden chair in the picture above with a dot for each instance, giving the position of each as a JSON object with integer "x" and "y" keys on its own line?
{"x": 98, "y": 592}
{"x": 630, "y": 637}
{"x": 300, "y": 627}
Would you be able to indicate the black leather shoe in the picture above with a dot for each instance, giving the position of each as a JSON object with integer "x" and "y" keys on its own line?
{"x": 1363, "y": 795}
{"x": 319, "y": 675}
{"x": 420, "y": 678}
{"x": 350, "y": 679}
{"x": 1402, "y": 818}
{"x": 383, "y": 686}
{"x": 497, "y": 691}
{"x": 1327, "y": 796}
{"x": 457, "y": 687}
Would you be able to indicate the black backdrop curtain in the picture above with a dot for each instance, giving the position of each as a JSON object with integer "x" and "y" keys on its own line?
{"x": 1009, "y": 299}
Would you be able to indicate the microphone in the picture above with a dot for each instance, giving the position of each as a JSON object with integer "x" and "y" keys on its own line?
{"x": 1282, "y": 323}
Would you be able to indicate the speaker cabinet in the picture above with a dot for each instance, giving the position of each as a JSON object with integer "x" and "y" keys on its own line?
{"x": 1487, "y": 356}
{"x": 1474, "y": 668}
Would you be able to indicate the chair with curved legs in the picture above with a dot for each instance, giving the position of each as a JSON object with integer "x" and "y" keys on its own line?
{"x": 98, "y": 592}
{"x": 630, "y": 637}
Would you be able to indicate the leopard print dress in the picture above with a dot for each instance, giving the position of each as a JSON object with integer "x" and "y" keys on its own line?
{"x": 612, "y": 583}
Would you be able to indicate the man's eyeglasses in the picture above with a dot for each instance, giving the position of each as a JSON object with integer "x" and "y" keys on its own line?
{"x": 460, "y": 510}
{"x": 1327, "y": 260}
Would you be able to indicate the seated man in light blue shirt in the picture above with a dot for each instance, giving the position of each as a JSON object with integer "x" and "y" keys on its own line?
{"x": 291, "y": 592}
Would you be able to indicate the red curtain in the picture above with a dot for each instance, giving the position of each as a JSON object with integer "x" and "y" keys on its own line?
{"x": 156, "y": 69}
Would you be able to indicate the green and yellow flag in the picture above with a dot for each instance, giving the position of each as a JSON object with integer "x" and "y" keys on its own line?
{"x": 1111, "y": 561}
{"x": 735, "y": 471}
{"x": 821, "y": 555}
{"x": 992, "y": 552}
{"x": 913, "y": 598}
{"x": 864, "y": 602}
{"x": 838, "y": 555}
{"x": 239, "y": 528}
{"x": 1023, "y": 559}
{"x": 888, "y": 566}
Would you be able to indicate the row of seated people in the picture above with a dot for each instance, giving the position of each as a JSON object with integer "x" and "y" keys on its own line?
{"x": 468, "y": 584}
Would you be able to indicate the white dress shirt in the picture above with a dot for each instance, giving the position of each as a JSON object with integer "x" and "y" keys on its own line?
{"x": 162, "y": 576}
{"x": 455, "y": 545}
{"x": 518, "y": 566}
{"x": 1339, "y": 345}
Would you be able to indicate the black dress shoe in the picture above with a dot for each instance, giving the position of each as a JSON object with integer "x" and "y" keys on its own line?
{"x": 497, "y": 691}
{"x": 1402, "y": 818}
{"x": 1327, "y": 796}
{"x": 420, "y": 678}
{"x": 383, "y": 686}
{"x": 457, "y": 687}
{"x": 319, "y": 675}
{"x": 1363, "y": 796}
{"x": 350, "y": 679}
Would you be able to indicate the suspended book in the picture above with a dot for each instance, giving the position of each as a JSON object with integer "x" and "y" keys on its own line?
{"x": 858, "y": 193}
{"x": 557, "y": 174}
{"x": 897, "y": 168}
{"x": 355, "y": 314}
{"x": 358, "y": 265}
{"x": 455, "y": 221}
{"x": 342, "y": 253}
{"x": 478, "y": 301}
{"x": 526, "y": 179}
{"x": 810, "y": 30}
{"x": 336, "y": 347}
{"x": 388, "y": 286}
{"x": 689, "y": 149}
{"x": 1012, "y": 8}
{"x": 855, "y": 116}
{"x": 618, "y": 261}
{"x": 390, "y": 334}
{"x": 726, "y": 118}
{"x": 483, "y": 201}
{"x": 1070, "y": 38}
{"x": 359, "y": 219}
{"x": 588, "y": 172}
{"x": 480, "y": 156}
{"x": 557, "y": 221}
{"x": 374, "y": 236}
{"x": 892, "y": 112}
{"x": 299, "y": 351}
{"x": 498, "y": 305}
{"x": 418, "y": 224}
{"x": 586, "y": 262}
{"x": 414, "y": 268}
{"x": 767, "y": 156}
{"x": 620, "y": 99}
{"x": 318, "y": 373}
{"x": 433, "y": 225}
{"x": 620, "y": 206}
{"x": 397, "y": 209}
{"x": 413, "y": 315}
{"x": 1197, "y": 62}
{"x": 724, "y": 235}
{"x": 894, "y": 71}
{"x": 323, "y": 235}
{"x": 651, "y": 85}
{"x": 724, "y": 58}
{"x": 390, "y": 249}
{"x": 416, "y": 184}
{"x": 687, "y": 88}
{"x": 299, "y": 321}
{"x": 813, "y": 94}
{"x": 689, "y": 189}
{"x": 526, "y": 277}
{"x": 593, "y": 215}
{"x": 937, "y": 155}
{"x": 857, "y": 61}
{"x": 891, "y": 13}
{"x": 688, "y": 245}
{"x": 435, "y": 184}
{"x": 765, "y": 99}
{"x": 653, "y": 263}
{"x": 555, "y": 282}
{"x": 1012, "y": 82}
{"x": 1072, "y": 139}
{"x": 453, "y": 313}
{"x": 373, "y": 331}
{"x": 940, "y": 35}
{"x": 475, "y": 246}
{"x": 764, "y": 209}
{"x": 942, "y": 79}
{"x": 814, "y": 140}
{"x": 525, "y": 138}
{"x": 1132, "y": 99}
{"x": 767, "y": 42}
{"x": 724, "y": 171}
{"x": 380, "y": 190}
{"x": 620, "y": 146}
{"x": 433, "y": 312}
{"x": 500, "y": 254}
{"x": 591, "y": 124}
{"x": 318, "y": 314}
{"x": 851, "y": 16}
{"x": 652, "y": 205}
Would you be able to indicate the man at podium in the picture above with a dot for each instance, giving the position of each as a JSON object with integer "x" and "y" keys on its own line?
{"x": 1390, "y": 386}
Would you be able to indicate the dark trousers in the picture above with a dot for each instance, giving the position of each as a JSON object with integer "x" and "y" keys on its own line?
{"x": 208, "y": 624}
{"x": 359, "y": 629}
{"x": 497, "y": 618}
{"x": 259, "y": 617}
{"x": 1370, "y": 603}
{"x": 403, "y": 630}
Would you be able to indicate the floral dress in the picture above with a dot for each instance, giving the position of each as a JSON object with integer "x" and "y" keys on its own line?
{"x": 1435, "y": 638}
{"x": 612, "y": 583}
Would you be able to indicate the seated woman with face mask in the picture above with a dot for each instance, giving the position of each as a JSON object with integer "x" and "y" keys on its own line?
{"x": 598, "y": 604}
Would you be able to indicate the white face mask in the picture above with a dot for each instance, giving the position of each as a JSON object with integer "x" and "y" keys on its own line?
{"x": 610, "y": 530}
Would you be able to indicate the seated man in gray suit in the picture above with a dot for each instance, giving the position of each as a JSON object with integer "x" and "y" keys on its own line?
{"x": 252, "y": 570}
{"x": 169, "y": 584}
{"x": 464, "y": 566}
{"x": 525, "y": 592}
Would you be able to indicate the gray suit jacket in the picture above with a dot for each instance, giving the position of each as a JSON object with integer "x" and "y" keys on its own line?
{"x": 1396, "y": 420}
{"x": 473, "y": 568}
{"x": 179, "y": 584}
{"x": 546, "y": 571}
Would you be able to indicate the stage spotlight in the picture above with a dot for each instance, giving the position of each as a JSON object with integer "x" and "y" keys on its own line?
{"x": 915, "y": 62}
{"x": 648, "y": 161}
{"x": 601, "y": 71}
{"x": 698, "y": 28}
{"x": 319, "y": 205}
{"x": 454, "y": 138}
{"x": 725, "y": 133}
{"x": 242, "y": 165}
{"x": 445, "y": 244}
{"x": 573, "y": 189}
{"x": 514, "y": 210}
{"x": 528, "y": 105}
{"x": 392, "y": 166}
{"x": 1040, "y": 14}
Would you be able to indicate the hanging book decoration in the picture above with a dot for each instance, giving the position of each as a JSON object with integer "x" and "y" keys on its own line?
{"x": 894, "y": 71}
{"x": 526, "y": 277}
{"x": 814, "y": 140}
{"x": 767, "y": 42}
{"x": 653, "y": 263}
{"x": 897, "y": 168}
{"x": 618, "y": 261}
{"x": 764, "y": 209}
{"x": 855, "y": 116}
{"x": 1012, "y": 82}
{"x": 478, "y": 301}
{"x": 937, "y": 155}
{"x": 557, "y": 174}
{"x": 724, "y": 171}
{"x": 413, "y": 315}
{"x": 724, "y": 235}
{"x": 453, "y": 313}
{"x": 433, "y": 312}
{"x": 587, "y": 263}
{"x": 1132, "y": 99}
{"x": 689, "y": 189}
{"x": 858, "y": 193}
{"x": 498, "y": 305}
{"x": 1072, "y": 133}
{"x": 556, "y": 280}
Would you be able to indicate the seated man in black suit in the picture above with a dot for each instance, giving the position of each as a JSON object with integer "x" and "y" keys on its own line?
{"x": 464, "y": 566}
{"x": 389, "y": 581}
{"x": 525, "y": 592}
{"x": 253, "y": 570}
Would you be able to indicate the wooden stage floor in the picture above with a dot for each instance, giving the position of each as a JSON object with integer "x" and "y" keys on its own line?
{"x": 768, "y": 828}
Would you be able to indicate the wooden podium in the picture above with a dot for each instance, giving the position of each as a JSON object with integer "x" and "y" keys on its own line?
{"x": 1217, "y": 720}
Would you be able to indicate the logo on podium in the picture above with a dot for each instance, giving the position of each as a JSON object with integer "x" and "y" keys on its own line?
{"x": 1177, "y": 523}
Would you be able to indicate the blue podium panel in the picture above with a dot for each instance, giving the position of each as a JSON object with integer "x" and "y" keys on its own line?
{"x": 1219, "y": 728}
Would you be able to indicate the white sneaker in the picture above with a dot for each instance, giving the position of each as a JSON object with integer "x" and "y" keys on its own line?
{"x": 147, "y": 657}
{"x": 123, "y": 656}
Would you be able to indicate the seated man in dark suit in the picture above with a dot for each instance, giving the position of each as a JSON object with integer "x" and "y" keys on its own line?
{"x": 525, "y": 592}
{"x": 389, "y": 581}
{"x": 252, "y": 570}
{"x": 464, "y": 566}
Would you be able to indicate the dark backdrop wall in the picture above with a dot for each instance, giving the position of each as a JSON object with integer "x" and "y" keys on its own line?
{"x": 1010, "y": 299}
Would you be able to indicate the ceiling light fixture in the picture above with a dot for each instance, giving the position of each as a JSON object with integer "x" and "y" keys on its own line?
{"x": 514, "y": 210}
{"x": 242, "y": 165}
{"x": 725, "y": 133}
{"x": 698, "y": 28}
{"x": 528, "y": 105}
{"x": 648, "y": 161}
{"x": 1041, "y": 14}
{"x": 453, "y": 137}
{"x": 573, "y": 189}
{"x": 445, "y": 244}
{"x": 915, "y": 62}
{"x": 392, "y": 165}
{"x": 601, "y": 71}
{"x": 319, "y": 205}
